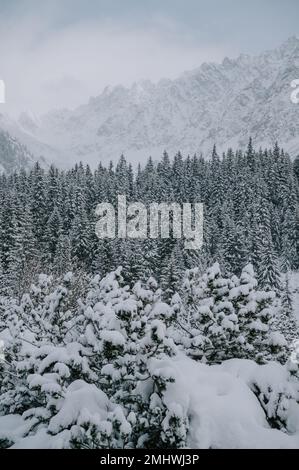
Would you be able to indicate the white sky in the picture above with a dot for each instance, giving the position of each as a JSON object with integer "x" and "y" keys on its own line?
{"x": 61, "y": 53}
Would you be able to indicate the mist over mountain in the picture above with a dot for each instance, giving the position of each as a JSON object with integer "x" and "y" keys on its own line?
{"x": 13, "y": 155}
{"x": 152, "y": 303}
{"x": 216, "y": 103}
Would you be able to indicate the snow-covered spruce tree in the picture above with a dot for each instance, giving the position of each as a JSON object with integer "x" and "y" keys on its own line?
{"x": 53, "y": 233}
{"x": 6, "y": 307}
{"x": 95, "y": 422}
{"x": 47, "y": 377}
{"x": 131, "y": 352}
{"x": 279, "y": 398}
{"x": 259, "y": 339}
{"x": 288, "y": 236}
{"x": 171, "y": 273}
{"x": 31, "y": 336}
{"x": 234, "y": 253}
{"x": 87, "y": 419}
{"x": 80, "y": 238}
{"x": 14, "y": 394}
{"x": 38, "y": 203}
{"x": 63, "y": 256}
{"x": 48, "y": 310}
{"x": 121, "y": 351}
{"x": 285, "y": 320}
{"x": 269, "y": 277}
{"x": 52, "y": 371}
{"x": 41, "y": 357}
{"x": 208, "y": 316}
{"x": 24, "y": 332}
{"x": 228, "y": 318}
{"x": 267, "y": 262}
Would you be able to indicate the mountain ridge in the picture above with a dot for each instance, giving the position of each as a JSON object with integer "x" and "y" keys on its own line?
{"x": 222, "y": 104}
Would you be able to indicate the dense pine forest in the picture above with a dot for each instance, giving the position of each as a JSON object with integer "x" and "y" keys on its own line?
{"x": 250, "y": 216}
{"x": 124, "y": 344}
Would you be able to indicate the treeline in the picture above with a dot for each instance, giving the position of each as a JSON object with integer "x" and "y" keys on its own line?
{"x": 250, "y": 202}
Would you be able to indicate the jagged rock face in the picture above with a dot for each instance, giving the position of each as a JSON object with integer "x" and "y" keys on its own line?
{"x": 216, "y": 103}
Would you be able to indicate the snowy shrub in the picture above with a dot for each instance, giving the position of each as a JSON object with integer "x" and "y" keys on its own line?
{"x": 225, "y": 318}
{"x": 114, "y": 344}
{"x": 127, "y": 335}
{"x": 105, "y": 371}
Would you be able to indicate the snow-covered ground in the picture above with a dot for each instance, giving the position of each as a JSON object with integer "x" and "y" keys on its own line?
{"x": 223, "y": 410}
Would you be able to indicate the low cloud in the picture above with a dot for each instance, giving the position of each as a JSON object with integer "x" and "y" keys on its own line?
{"x": 47, "y": 68}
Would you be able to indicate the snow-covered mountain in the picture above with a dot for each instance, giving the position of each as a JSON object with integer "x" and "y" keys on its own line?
{"x": 31, "y": 147}
{"x": 216, "y": 103}
{"x": 13, "y": 155}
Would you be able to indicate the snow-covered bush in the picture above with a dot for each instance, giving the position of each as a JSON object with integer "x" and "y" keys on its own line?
{"x": 113, "y": 344}
{"x": 104, "y": 371}
{"x": 40, "y": 335}
{"x": 225, "y": 318}
{"x": 126, "y": 331}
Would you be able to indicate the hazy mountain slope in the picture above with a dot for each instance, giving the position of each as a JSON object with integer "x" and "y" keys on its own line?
{"x": 13, "y": 155}
{"x": 37, "y": 149}
{"x": 216, "y": 103}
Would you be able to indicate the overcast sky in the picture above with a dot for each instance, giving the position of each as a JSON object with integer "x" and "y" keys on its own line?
{"x": 58, "y": 53}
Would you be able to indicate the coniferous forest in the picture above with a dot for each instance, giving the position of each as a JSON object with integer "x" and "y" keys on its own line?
{"x": 250, "y": 216}
{"x": 123, "y": 343}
